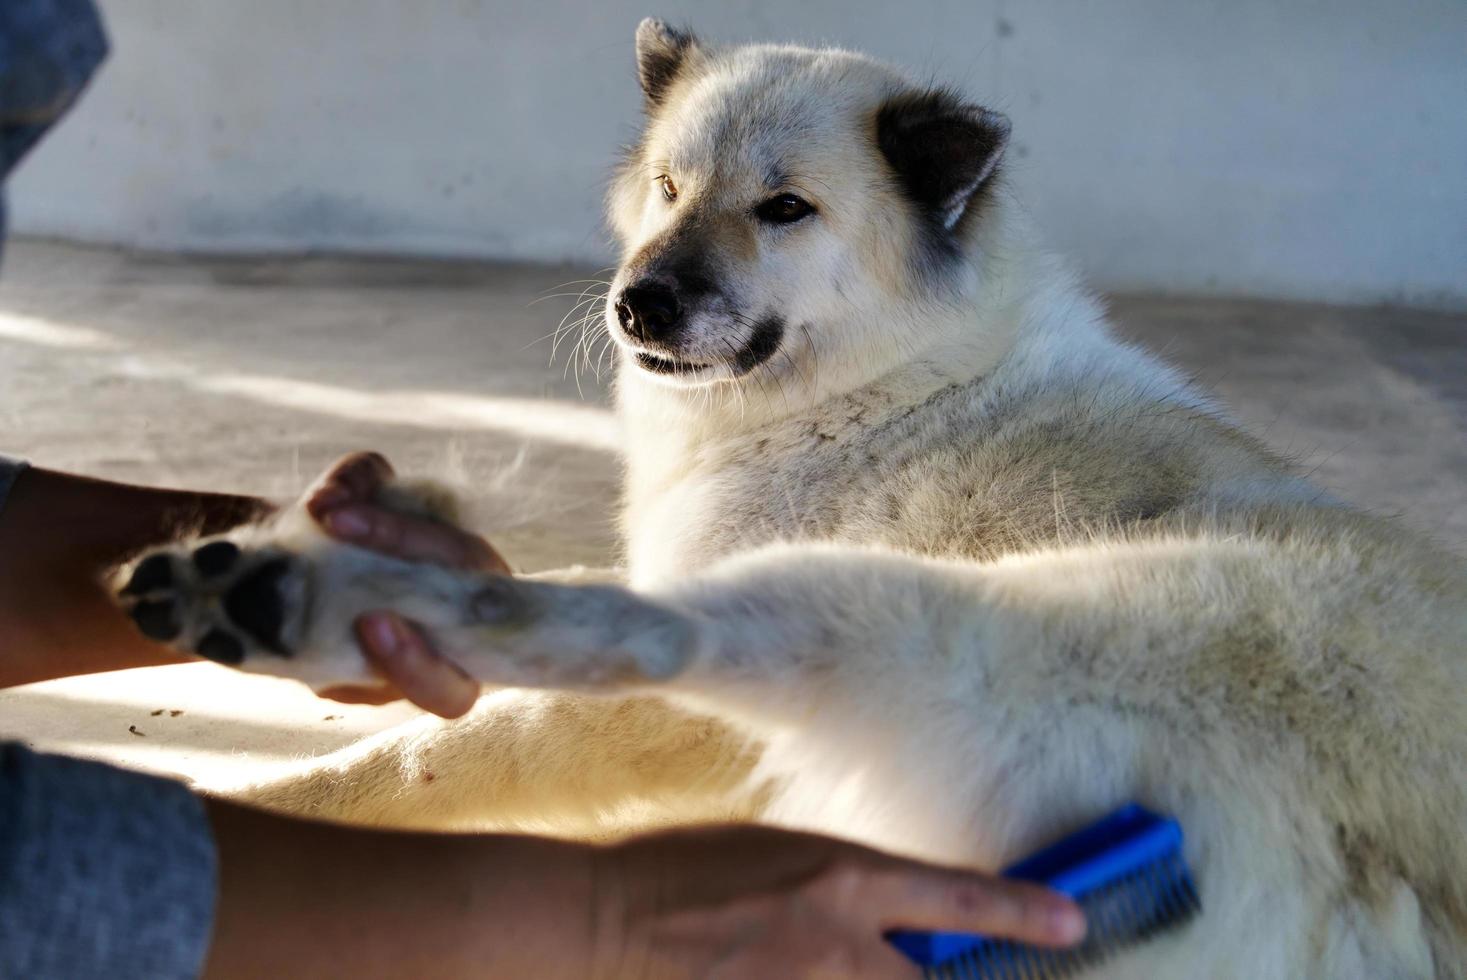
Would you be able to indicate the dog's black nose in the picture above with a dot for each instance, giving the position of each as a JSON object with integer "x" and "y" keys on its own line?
{"x": 649, "y": 311}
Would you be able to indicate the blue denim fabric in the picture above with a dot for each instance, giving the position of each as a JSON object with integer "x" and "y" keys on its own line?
{"x": 103, "y": 872}
{"x": 48, "y": 51}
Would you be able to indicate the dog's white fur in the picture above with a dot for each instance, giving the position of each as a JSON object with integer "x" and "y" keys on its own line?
{"x": 953, "y": 573}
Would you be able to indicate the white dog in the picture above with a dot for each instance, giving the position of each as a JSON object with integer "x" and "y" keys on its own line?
{"x": 918, "y": 554}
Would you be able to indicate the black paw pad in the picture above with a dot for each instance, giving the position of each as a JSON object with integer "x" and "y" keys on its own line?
{"x": 256, "y": 606}
{"x": 221, "y": 647}
{"x": 216, "y": 558}
{"x": 157, "y": 619}
{"x": 152, "y": 573}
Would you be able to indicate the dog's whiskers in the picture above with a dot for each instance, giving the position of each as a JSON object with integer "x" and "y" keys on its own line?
{"x": 814, "y": 359}
{"x": 589, "y": 296}
{"x": 567, "y": 325}
{"x": 581, "y": 282}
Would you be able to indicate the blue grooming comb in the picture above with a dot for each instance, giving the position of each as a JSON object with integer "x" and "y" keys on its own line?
{"x": 1127, "y": 873}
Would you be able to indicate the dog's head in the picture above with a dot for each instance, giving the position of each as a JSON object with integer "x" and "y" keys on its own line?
{"x": 787, "y": 209}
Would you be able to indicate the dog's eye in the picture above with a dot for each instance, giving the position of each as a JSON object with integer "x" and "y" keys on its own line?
{"x": 669, "y": 189}
{"x": 784, "y": 209}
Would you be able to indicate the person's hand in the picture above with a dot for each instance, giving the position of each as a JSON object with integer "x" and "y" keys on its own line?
{"x": 751, "y": 902}
{"x": 298, "y": 898}
{"x": 343, "y": 503}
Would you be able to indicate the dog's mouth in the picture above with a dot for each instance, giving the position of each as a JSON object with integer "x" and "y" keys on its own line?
{"x": 760, "y": 347}
{"x": 662, "y": 364}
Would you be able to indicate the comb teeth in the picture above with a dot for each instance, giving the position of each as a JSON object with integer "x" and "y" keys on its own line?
{"x": 1127, "y": 872}
{"x": 1127, "y": 911}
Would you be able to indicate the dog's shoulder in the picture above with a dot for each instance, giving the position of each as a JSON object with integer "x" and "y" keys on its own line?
{"x": 1074, "y": 435}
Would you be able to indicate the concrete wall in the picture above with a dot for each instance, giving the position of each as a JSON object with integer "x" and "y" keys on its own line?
{"x": 1279, "y": 147}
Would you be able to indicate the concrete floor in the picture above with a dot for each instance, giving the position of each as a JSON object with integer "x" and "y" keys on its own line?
{"x": 251, "y": 375}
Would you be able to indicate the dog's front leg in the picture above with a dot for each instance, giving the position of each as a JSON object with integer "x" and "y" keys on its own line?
{"x": 855, "y": 668}
{"x": 768, "y": 634}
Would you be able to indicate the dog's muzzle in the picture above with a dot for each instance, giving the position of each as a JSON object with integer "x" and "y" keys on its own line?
{"x": 649, "y": 312}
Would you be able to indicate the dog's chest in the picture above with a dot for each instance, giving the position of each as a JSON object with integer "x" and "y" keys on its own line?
{"x": 714, "y": 511}
{"x": 806, "y": 481}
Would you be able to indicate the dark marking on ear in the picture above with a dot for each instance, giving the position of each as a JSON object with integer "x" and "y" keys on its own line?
{"x": 945, "y": 152}
{"x": 661, "y": 52}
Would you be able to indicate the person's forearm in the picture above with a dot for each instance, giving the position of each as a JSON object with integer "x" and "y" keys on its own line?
{"x": 58, "y": 535}
{"x": 300, "y": 899}
{"x": 303, "y": 899}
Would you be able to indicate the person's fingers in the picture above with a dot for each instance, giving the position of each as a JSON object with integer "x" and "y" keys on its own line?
{"x": 955, "y": 901}
{"x": 351, "y": 479}
{"x": 361, "y": 694}
{"x": 343, "y": 504}
{"x": 400, "y": 652}
{"x": 412, "y": 538}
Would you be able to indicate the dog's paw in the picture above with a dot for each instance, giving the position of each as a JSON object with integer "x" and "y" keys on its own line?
{"x": 540, "y": 634}
{"x": 218, "y": 601}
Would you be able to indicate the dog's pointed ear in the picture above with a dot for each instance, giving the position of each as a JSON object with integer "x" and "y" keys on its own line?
{"x": 661, "y": 53}
{"x": 943, "y": 149}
